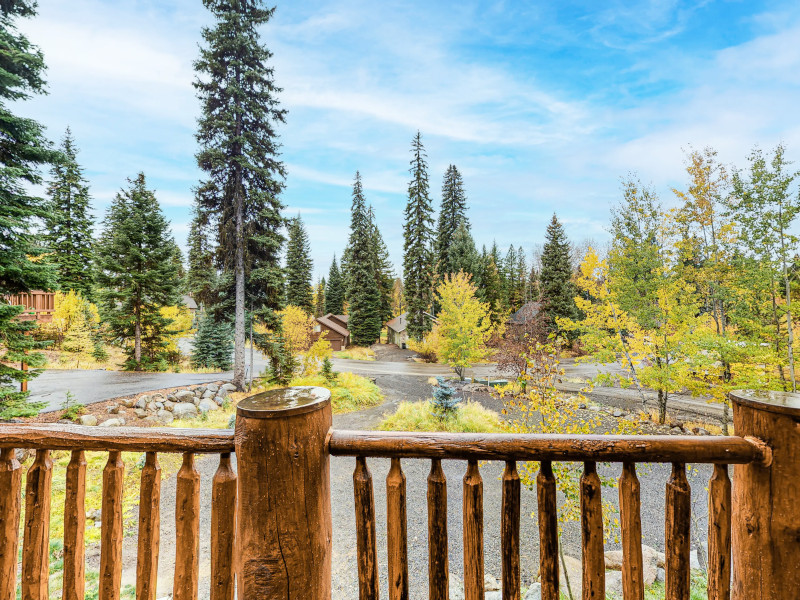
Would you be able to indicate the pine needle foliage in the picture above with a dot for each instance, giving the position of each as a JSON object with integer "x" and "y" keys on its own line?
{"x": 452, "y": 216}
{"x": 213, "y": 344}
{"x": 69, "y": 224}
{"x": 418, "y": 269}
{"x": 334, "y": 290}
{"x": 444, "y": 403}
{"x": 299, "y": 267}
{"x": 557, "y": 289}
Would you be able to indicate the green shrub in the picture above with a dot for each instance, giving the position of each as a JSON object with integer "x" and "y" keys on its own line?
{"x": 470, "y": 417}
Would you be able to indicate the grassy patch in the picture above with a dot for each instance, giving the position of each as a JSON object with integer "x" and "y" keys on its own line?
{"x": 699, "y": 589}
{"x": 471, "y": 417}
{"x": 355, "y": 353}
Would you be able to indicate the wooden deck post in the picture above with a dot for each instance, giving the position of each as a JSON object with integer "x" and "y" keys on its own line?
{"x": 766, "y": 517}
{"x": 284, "y": 499}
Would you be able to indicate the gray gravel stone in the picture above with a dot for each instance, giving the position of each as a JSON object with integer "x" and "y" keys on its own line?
{"x": 184, "y": 410}
{"x": 184, "y": 396}
{"x": 165, "y": 417}
{"x": 112, "y": 423}
{"x": 206, "y": 405}
{"x": 140, "y": 412}
{"x": 90, "y": 420}
{"x": 169, "y": 405}
{"x": 228, "y": 387}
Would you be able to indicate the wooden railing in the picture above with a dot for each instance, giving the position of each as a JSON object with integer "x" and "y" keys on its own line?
{"x": 271, "y": 526}
{"x": 39, "y": 305}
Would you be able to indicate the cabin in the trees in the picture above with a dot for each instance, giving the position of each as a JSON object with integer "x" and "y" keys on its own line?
{"x": 396, "y": 332}
{"x": 335, "y": 328}
{"x": 526, "y": 315}
{"x": 39, "y": 305}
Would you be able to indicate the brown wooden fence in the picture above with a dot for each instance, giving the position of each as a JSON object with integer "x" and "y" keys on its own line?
{"x": 271, "y": 524}
{"x": 39, "y": 305}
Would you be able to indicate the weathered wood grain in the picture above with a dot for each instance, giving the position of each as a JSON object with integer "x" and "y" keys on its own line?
{"x": 677, "y": 534}
{"x": 149, "y": 528}
{"x": 396, "y": 532}
{"x": 366, "y": 545}
{"x": 128, "y": 439}
{"x": 630, "y": 506}
{"x": 111, "y": 527}
{"x": 473, "y": 532}
{"x": 719, "y": 534}
{"x": 75, "y": 528}
{"x": 10, "y": 509}
{"x": 593, "y": 558}
{"x": 284, "y": 516}
{"x": 223, "y": 530}
{"x": 36, "y": 536}
{"x": 548, "y": 531}
{"x": 538, "y": 447}
{"x": 509, "y": 533}
{"x": 187, "y": 531}
{"x": 438, "y": 562}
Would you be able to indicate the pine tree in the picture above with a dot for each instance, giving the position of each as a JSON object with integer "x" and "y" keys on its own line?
{"x": 239, "y": 154}
{"x": 492, "y": 292}
{"x": 558, "y": 290}
{"x": 319, "y": 298}
{"x": 462, "y": 255}
{"x": 201, "y": 279}
{"x": 299, "y": 267}
{"x": 69, "y": 224}
{"x": 362, "y": 293}
{"x": 335, "y": 291}
{"x": 137, "y": 273}
{"x": 23, "y": 150}
{"x": 452, "y": 215}
{"x": 384, "y": 274}
{"x": 418, "y": 266}
{"x": 212, "y": 347}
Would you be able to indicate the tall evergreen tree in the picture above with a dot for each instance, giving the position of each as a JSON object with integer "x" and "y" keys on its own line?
{"x": 299, "y": 267}
{"x": 319, "y": 297}
{"x": 335, "y": 291}
{"x": 384, "y": 274}
{"x": 462, "y": 255}
{"x": 452, "y": 215}
{"x": 69, "y": 225}
{"x": 201, "y": 279}
{"x": 239, "y": 153}
{"x": 418, "y": 268}
{"x": 137, "y": 273}
{"x": 23, "y": 150}
{"x": 362, "y": 293}
{"x": 557, "y": 289}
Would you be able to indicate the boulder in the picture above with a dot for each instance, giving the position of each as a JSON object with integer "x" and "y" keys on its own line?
{"x": 199, "y": 390}
{"x": 151, "y": 406}
{"x": 94, "y": 515}
{"x": 213, "y": 387}
{"x": 651, "y": 560}
{"x": 171, "y": 398}
{"x": 219, "y": 400}
{"x": 650, "y": 554}
{"x": 456, "y": 587}
{"x": 127, "y": 402}
{"x": 208, "y": 394}
{"x": 614, "y": 584}
{"x": 206, "y": 405}
{"x": 159, "y": 404}
{"x": 493, "y": 596}
{"x": 534, "y": 592}
{"x": 613, "y": 560}
{"x": 228, "y": 388}
{"x": 618, "y": 413}
{"x": 169, "y": 405}
{"x": 184, "y": 410}
{"x": 490, "y": 584}
{"x": 157, "y": 397}
{"x": 90, "y": 420}
{"x": 184, "y": 396}
{"x": 477, "y": 388}
{"x": 165, "y": 417}
{"x": 112, "y": 423}
{"x": 140, "y": 403}
{"x": 145, "y": 397}
{"x": 140, "y": 412}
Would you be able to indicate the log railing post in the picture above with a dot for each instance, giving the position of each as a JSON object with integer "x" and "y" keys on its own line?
{"x": 284, "y": 500}
{"x": 765, "y": 524}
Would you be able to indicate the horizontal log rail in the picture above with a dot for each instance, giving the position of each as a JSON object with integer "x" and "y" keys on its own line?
{"x": 547, "y": 447}
{"x": 124, "y": 439}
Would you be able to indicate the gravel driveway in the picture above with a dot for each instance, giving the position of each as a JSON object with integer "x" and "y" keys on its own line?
{"x": 345, "y": 579}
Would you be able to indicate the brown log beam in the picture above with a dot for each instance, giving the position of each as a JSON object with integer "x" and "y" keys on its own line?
{"x": 473, "y": 532}
{"x": 36, "y": 540}
{"x": 677, "y": 534}
{"x": 438, "y": 562}
{"x": 75, "y": 528}
{"x": 10, "y": 507}
{"x": 111, "y": 528}
{"x": 149, "y": 528}
{"x": 509, "y": 532}
{"x": 223, "y": 528}
{"x": 187, "y": 531}
{"x": 396, "y": 532}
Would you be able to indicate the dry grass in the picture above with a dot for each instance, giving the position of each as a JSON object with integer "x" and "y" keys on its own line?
{"x": 470, "y": 417}
{"x": 355, "y": 353}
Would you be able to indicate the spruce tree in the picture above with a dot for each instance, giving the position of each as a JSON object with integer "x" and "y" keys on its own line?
{"x": 239, "y": 153}
{"x": 69, "y": 225}
{"x": 335, "y": 290}
{"x": 137, "y": 273}
{"x": 319, "y": 298}
{"x": 299, "y": 267}
{"x": 212, "y": 347}
{"x": 557, "y": 289}
{"x": 201, "y": 278}
{"x": 418, "y": 268}
{"x": 452, "y": 215}
{"x": 362, "y": 293}
{"x": 384, "y": 274}
{"x": 23, "y": 151}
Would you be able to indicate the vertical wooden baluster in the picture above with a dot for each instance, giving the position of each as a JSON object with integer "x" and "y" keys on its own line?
{"x": 676, "y": 538}
{"x": 473, "y": 533}
{"x": 631, "y": 523}
{"x": 548, "y": 531}
{"x": 594, "y": 568}
{"x": 719, "y": 534}
{"x": 367, "y": 551}
{"x": 509, "y": 536}
{"x": 396, "y": 532}
{"x": 75, "y": 527}
{"x": 187, "y": 531}
{"x": 10, "y": 506}
{"x": 111, "y": 527}
{"x": 36, "y": 540}
{"x": 149, "y": 532}
{"x": 223, "y": 527}
{"x": 438, "y": 564}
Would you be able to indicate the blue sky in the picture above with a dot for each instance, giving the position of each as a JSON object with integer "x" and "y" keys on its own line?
{"x": 543, "y": 106}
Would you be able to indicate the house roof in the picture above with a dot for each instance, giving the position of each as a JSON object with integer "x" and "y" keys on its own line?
{"x": 343, "y": 319}
{"x": 189, "y": 302}
{"x": 398, "y": 324}
{"x": 525, "y": 314}
{"x": 330, "y": 322}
